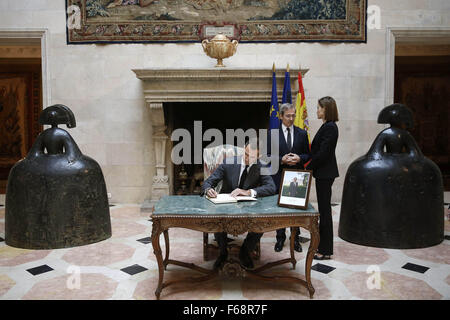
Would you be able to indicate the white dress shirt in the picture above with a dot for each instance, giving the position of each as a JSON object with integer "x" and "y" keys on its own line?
{"x": 285, "y": 132}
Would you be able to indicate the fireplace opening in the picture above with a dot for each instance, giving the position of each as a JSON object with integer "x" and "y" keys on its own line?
{"x": 188, "y": 178}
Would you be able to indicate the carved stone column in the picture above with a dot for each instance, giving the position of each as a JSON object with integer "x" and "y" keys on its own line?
{"x": 160, "y": 184}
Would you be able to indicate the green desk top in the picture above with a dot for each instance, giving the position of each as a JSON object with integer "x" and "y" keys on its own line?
{"x": 199, "y": 206}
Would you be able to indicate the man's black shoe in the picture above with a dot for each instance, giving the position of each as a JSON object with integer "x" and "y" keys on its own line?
{"x": 279, "y": 245}
{"x": 297, "y": 245}
{"x": 220, "y": 260}
{"x": 245, "y": 259}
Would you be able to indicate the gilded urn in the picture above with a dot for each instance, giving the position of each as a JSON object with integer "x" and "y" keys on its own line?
{"x": 220, "y": 47}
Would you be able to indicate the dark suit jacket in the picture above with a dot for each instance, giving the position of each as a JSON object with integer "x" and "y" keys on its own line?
{"x": 323, "y": 162}
{"x": 293, "y": 189}
{"x": 300, "y": 147}
{"x": 229, "y": 174}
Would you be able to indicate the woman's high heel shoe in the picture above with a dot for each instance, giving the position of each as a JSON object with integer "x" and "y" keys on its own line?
{"x": 322, "y": 257}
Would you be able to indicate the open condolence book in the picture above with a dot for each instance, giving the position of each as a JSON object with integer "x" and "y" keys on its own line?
{"x": 227, "y": 198}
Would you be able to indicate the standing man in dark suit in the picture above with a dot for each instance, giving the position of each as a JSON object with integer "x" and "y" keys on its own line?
{"x": 241, "y": 176}
{"x": 325, "y": 170}
{"x": 294, "y": 152}
{"x": 293, "y": 187}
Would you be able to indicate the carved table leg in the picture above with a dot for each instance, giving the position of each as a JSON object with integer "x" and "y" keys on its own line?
{"x": 314, "y": 244}
{"x": 293, "y": 235}
{"x": 205, "y": 246}
{"x": 166, "y": 241}
{"x": 156, "y": 232}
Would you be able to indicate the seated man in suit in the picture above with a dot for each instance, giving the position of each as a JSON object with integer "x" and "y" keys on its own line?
{"x": 240, "y": 176}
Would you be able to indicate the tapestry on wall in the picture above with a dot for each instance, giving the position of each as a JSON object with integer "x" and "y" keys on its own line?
{"x": 121, "y": 21}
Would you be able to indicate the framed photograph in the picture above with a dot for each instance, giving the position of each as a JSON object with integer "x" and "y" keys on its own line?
{"x": 294, "y": 188}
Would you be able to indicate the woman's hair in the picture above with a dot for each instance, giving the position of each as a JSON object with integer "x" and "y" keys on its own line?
{"x": 331, "y": 112}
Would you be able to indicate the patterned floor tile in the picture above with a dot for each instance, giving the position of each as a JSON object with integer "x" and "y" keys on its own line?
{"x": 186, "y": 252}
{"x": 438, "y": 254}
{"x": 134, "y": 269}
{"x": 40, "y": 269}
{"x": 388, "y": 285}
{"x": 350, "y": 253}
{"x": 10, "y": 256}
{"x": 129, "y": 212}
{"x": 146, "y": 240}
{"x": 98, "y": 254}
{"x": 415, "y": 267}
{"x": 103, "y": 268}
{"x": 122, "y": 228}
{"x": 323, "y": 268}
{"x": 304, "y": 239}
{"x": 6, "y": 283}
{"x": 208, "y": 290}
{"x": 262, "y": 290}
{"x": 68, "y": 287}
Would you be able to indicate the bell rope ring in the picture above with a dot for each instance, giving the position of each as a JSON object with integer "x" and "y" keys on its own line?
{"x": 220, "y": 47}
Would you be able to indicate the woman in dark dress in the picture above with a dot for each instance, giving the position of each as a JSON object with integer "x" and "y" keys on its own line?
{"x": 324, "y": 167}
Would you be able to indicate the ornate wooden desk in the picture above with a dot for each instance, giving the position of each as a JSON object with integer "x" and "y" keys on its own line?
{"x": 198, "y": 213}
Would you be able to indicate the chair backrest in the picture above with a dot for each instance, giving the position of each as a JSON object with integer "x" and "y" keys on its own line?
{"x": 214, "y": 156}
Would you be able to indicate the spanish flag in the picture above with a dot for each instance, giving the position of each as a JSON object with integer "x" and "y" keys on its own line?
{"x": 301, "y": 119}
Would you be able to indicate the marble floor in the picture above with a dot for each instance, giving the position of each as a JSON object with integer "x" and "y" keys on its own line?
{"x": 124, "y": 267}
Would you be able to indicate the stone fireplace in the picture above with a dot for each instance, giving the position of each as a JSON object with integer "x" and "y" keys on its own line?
{"x": 209, "y": 86}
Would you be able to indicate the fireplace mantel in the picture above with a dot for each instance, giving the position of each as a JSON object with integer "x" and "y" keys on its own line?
{"x": 200, "y": 85}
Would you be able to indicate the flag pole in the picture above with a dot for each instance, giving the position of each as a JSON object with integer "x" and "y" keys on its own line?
{"x": 288, "y": 67}
{"x": 273, "y": 67}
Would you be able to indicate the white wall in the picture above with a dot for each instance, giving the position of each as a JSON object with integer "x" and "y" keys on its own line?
{"x": 113, "y": 127}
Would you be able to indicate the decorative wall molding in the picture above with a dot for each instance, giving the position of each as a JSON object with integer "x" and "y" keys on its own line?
{"x": 413, "y": 35}
{"x": 32, "y": 36}
{"x": 219, "y": 85}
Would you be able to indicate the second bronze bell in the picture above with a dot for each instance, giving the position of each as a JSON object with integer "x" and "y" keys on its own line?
{"x": 56, "y": 196}
{"x": 393, "y": 195}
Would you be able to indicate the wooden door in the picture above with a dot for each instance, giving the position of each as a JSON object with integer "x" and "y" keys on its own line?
{"x": 423, "y": 84}
{"x": 20, "y": 106}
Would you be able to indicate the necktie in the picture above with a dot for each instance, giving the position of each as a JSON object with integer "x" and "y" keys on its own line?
{"x": 243, "y": 177}
{"x": 289, "y": 139}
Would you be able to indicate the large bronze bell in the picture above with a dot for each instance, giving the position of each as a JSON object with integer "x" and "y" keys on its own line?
{"x": 393, "y": 195}
{"x": 56, "y": 196}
